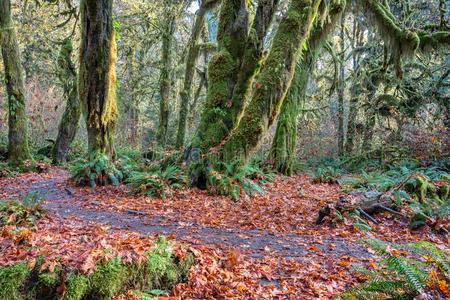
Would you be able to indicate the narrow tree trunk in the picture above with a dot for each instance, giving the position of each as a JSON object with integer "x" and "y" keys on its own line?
{"x": 165, "y": 83}
{"x": 273, "y": 81}
{"x": 18, "y": 149}
{"x": 355, "y": 90}
{"x": 341, "y": 90}
{"x": 69, "y": 123}
{"x": 97, "y": 79}
{"x": 191, "y": 62}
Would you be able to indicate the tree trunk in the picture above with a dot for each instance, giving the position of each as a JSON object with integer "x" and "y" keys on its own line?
{"x": 191, "y": 62}
{"x": 253, "y": 57}
{"x": 216, "y": 119}
{"x": 273, "y": 82}
{"x": 341, "y": 90}
{"x": 69, "y": 123}
{"x": 97, "y": 79}
{"x": 165, "y": 81}
{"x": 18, "y": 149}
{"x": 282, "y": 151}
{"x": 355, "y": 90}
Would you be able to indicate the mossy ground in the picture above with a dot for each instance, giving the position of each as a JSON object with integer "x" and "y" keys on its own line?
{"x": 161, "y": 270}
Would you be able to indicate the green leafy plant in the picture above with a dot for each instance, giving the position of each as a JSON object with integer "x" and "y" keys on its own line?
{"x": 21, "y": 213}
{"x": 156, "y": 182}
{"x": 234, "y": 180}
{"x": 403, "y": 272}
{"x": 98, "y": 170}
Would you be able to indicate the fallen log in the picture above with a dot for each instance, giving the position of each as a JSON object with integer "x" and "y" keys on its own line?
{"x": 368, "y": 204}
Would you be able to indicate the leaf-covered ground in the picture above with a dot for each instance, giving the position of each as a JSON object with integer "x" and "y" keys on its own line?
{"x": 256, "y": 248}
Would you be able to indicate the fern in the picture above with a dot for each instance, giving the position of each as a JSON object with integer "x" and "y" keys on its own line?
{"x": 155, "y": 182}
{"x": 232, "y": 179}
{"x": 402, "y": 274}
{"x": 98, "y": 170}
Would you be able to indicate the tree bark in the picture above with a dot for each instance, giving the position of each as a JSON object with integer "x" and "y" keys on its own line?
{"x": 97, "y": 79}
{"x": 282, "y": 152}
{"x": 273, "y": 82}
{"x": 165, "y": 81}
{"x": 18, "y": 149}
{"x": 69, "y": 123}
{"x": 341, "y": 90}
{"x": 191, "y": 62}
{"x": 217, "y": 119}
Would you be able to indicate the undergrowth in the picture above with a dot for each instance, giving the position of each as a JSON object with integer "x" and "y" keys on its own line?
{"x": 159, "y": 272}
{"x": 21, "y": 213}
{"x": 404, "y": 272}
{"x": 156, "y": 182}
{"x": 234, "y": 180}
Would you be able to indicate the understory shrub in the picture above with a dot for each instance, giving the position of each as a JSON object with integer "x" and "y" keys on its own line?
{"x": 404, "y": 272}
{"x": 21, "y": 213}
{"x": 97, "y": 170}
{"x": 234, "y": 180}
{"x": 159, "y": 272}
{"x": 156, "y": 182}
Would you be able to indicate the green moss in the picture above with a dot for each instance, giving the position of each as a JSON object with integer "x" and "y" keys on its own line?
{"x": 162, "y": 270}
{"x": 108, "y": 279}
{"x": 76, "y": 287}
{"x": 12, "y": 280}
{"x": 49, "y": 279}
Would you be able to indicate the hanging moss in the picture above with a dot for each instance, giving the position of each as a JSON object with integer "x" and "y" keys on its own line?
{"x": 399, "y": 41}
{"x": 429, "y": 41}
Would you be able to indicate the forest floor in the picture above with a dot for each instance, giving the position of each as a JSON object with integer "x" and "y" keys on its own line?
{"x": 259, "y": 247}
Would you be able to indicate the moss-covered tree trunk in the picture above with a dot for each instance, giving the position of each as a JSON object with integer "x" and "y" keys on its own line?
{"x": 69, "y": 123}
{"x": 355, "y": 89}
{"x": 282, "y": 151}
{"x": 165, "y": 80}
{"x": 253, "y": 57}
{"x": 97, "y": 78}
{"x": 18, "y": 149}
{"x": 273, "y": 82}
{"x": 191, "y": 62}
{"x": 217, "y": 119}
{"x": 341, "y": 89}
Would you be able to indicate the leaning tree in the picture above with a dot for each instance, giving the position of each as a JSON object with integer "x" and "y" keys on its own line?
{"x": 247, "y": 87}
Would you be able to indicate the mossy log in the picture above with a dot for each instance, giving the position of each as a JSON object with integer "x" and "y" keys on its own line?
{"x": 366, "y": 203}
{"x": 160, "y": 270}
{"x": 18, "y": 149}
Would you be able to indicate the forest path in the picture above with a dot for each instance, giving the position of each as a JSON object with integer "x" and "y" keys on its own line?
{"x": 64, "y": 200}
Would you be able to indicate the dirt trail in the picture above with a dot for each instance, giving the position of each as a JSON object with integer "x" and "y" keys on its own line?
{"x": 59, "y": 200}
